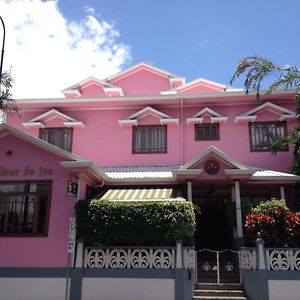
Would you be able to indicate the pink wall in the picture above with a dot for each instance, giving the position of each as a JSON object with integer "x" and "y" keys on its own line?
{"x": 142, "y": 82}
{"x": 104, "y": 141}
{"x": 48, "y": 251}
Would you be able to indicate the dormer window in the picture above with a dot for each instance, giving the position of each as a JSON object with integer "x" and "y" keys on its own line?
{"x": 150, "y": 139}
{"x": 60, "y": 137}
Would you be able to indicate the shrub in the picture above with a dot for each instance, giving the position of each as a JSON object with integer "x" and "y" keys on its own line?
{"x": 278, "y": 226}
{"x": 292, "y": 228}
{"x": 112, "y": 223}
{"x": 262, "y": 223}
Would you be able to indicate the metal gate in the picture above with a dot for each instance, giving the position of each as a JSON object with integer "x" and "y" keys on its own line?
{"x": 218, "y": 266}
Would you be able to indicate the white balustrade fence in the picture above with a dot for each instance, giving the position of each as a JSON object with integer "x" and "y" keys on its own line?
{"x": 286, "y": 259}
{"x": 136, "y": 258}
{"x": 248, "y": 259}
{"x": 283, "y": 259}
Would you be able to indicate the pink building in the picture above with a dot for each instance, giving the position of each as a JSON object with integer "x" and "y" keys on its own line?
{"x": 143, "y": 133}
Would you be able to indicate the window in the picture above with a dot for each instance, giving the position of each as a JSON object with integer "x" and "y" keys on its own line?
{"x": 263, "y": 134}
{"x": 207, "y": 132}
{"x": 24, "y": 208}
{"x": 150, "y": 139}
{"x": 60, "y": 137}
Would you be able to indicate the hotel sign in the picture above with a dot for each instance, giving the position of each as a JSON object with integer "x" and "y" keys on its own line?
{"x": 26, "y": 171}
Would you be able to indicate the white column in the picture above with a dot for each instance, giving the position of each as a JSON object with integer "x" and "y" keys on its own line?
{"x": 282, "y": 196}
{"x": 232, "y": 194}
{"x": 179, "y": 263}
{"x": 189, "y": 191}
{"x": 239, "y": 224}
{"x": 79, "y": 188}
{"x": 79, "y": 255}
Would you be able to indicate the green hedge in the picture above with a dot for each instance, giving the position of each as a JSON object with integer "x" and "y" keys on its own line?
{"x": 112, "y": 223}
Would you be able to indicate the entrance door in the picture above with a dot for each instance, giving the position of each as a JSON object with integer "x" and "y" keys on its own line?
{"x": 213, "y": 230}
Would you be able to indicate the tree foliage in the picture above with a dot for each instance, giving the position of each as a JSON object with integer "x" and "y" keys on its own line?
{"x": 7, "y": 104}
{"x": 258, "y": 69}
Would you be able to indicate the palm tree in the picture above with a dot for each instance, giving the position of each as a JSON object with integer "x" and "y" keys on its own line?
{"x": 257, "y": 71}
{"x": 7, "y": 104}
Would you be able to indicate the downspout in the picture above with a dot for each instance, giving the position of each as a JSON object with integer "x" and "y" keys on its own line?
{"x": 181, "y": 132}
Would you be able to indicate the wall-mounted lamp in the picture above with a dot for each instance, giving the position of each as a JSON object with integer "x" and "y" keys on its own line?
{"x": 9, "y": 153}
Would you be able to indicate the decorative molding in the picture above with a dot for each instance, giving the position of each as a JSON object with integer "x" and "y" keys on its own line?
{"x": 163, "y": 118}
{"x": 251, "y": 115}
{"x": 213, "y": 115}
{"x": 245, "y": 119}
{"x": 36, "y": 122}
{"x": 118, "y": 90}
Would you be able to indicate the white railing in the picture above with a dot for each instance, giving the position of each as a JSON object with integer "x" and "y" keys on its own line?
{"x": 283, "y": 259}
{"x": 277, "y": 259}
{"x": 127, "y": 258}
{"x": 248, "y": 259}
{"x": 136, "y": 258}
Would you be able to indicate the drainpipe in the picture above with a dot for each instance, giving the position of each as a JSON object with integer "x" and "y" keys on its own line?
{"x": 181, "y": 131}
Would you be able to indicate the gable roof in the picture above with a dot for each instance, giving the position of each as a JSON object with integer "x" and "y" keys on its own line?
{"x": 37, "y": 121}
{"x": 212, "y": 150}
{"x": 214, "y": 116}
{"x": 136, "y": 67}
{"x": 133, "y": 119}
{"x": 283, "y": 113}
{"x": 87, "y": 80}
{"x": 6, "y": 129}
{"x": 218, "y": 87}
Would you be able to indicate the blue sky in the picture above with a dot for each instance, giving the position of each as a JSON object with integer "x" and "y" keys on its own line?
{"x": 201, "y": 38}
{"x": 191, "y": 38}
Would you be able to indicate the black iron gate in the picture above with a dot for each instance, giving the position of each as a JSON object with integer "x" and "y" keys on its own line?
{"x": 218, "y": 266}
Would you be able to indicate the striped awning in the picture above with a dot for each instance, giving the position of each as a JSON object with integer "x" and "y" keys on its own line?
{"x": 146, "y": 194}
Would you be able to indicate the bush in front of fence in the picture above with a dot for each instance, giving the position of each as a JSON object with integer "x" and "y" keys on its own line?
{"x": 278, "y": 225}
{"x": 113, "y": 223}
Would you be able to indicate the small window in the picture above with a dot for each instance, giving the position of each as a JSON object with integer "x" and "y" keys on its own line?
{"x": 60, "y": 137}
{"x": 264, "y": 134}
{"x": 207, "y": 132}
{"x": 150, "y": 139}
{"x": 24, "y": 208}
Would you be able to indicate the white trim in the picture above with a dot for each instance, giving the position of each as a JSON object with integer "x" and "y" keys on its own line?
{"x": 239, "y": 172}
{"x": 187, "y": 172}
{"x": 218, "y": 119}
{"x": 269, "y": 104}
{"x": 52, "y": 111}
{"x": 83, "y": 82}
{"x": 169, "y": 121}
{"x": 75, "y": 92}
{"x": 113, "y": 89}
{"x": 214, "y": 117}
{"x": 245, "y": 119}
{"x": 194, "y": 120}
{"x": 218, "y": 153}
{"x": 74, "y": 124}
{"x": 279, "y": 110}
{"x": 169, "y": 92}
{"x": 34, "y": 124}
{"x": 153, "y": 97}
{"x": 128, "y": 122}
{"x": 35, "y": 121}
{"x": 133, "y": 119}
{"x": 206, "y": 110}
{"x": 140, "y": 65}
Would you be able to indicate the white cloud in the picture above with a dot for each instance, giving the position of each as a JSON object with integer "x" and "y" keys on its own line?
{"x": 48, "y": 53}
